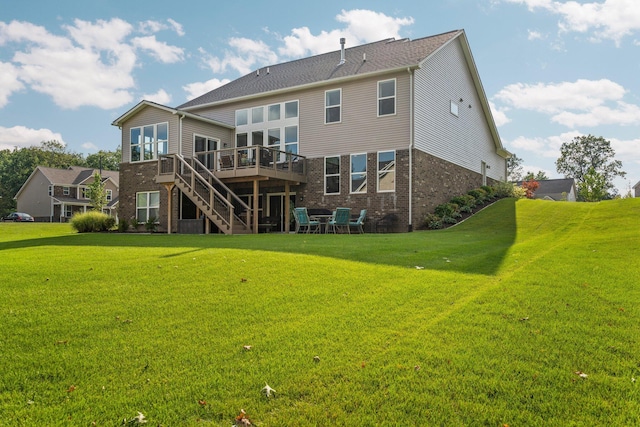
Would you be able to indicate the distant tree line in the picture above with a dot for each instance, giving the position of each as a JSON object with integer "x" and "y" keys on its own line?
{"x": 589, "y": 160}
{"x": 16, "y": 165}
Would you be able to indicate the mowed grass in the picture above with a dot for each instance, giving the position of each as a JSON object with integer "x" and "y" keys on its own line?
{"x": 488, "y": 323}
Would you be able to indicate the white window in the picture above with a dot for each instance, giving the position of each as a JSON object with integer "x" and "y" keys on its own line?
{"x": 257, "y": 115}
{"x": 387, "y": 97}
{"x": 274, "y": 112}
{"x": 386, "y": 171}
{"x": 454, "y": 108}
{"x": 83, "y": 193}
{"x": 291, "y": 110}
{"x": 358, "y": 173}
{"x": 291, "y": 139}
{"x": 109, "y": 195}
{"x": 66, "y": 191}
{"x": 242, "y": 117}
{"x": 332, "y": 105}
{"x": 147, "y": 205}
{"x": 149, "y": 142}
{"x": 51, "y": 190}
{"x": 332, "y": 175}
{"x": 68, "y": 211}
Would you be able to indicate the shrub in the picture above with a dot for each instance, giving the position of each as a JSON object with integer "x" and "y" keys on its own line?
{"x": 479, "y": 194}
{"x": 519, "y": 192}
{"x": 92, "y": 221}
{"x": 530, "y": 187}
{"x": 134, "y": 222}
{"x": 491, "y": 192}
{"x": 150, "y": 224}
{"x": 465, "y": 202}
{"x": 504, "y": 189}
{"x": 449, "y": 212}
{"x": 433, "y": 221}
{"x": 123, "y": 225}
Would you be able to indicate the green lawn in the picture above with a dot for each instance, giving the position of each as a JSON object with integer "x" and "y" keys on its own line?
{"x": 487, "y": 323}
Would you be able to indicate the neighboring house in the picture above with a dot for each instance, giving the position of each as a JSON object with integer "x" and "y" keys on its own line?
{"x": 54, "y": 195}
{"x": 395, "y": 126}
{"x": 636, "y": 189}
{"x": 556, "y": 189}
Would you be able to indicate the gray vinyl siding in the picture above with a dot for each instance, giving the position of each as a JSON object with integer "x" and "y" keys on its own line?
{"x": 445, "y": 77}
{"x": 191, "y": 127}
{"x": 360, "y": 129}
{"x": 149, "y": 116}
{"x": 34, "y": 198}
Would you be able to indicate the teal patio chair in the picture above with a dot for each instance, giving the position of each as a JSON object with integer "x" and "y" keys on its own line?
{"x": 340, "y": 220}
{"x": 359, "y": 223}
{"x": 304, "y": 223}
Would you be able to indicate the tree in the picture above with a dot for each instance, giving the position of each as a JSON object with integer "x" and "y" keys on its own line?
{"x": 106, "y": 160}
{"x": 514, "y": 168}
{"x": 530, "y": 186}
{"x": 540, "y": 176}
{"x": 585, "y": 157}
{"x": 97, "y": 193}
{"x": 594, "y": 187}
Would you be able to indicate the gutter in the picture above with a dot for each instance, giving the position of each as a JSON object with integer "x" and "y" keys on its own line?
{"x": 411, "y": 145}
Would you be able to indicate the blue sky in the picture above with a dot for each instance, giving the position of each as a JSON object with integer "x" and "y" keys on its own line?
{"x": 552, "y": 70}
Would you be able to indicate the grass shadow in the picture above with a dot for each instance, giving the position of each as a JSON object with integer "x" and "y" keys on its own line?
{"x": 476, "y": 246}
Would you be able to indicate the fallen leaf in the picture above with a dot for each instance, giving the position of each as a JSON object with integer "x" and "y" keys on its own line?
{"x": 242, "y": 419}
{"x": 268, "y": 390}
{"x": 243, "y": 280}
{"x": 316, "y": 358}
{"x": 202, "y": 402}
{"x": 246, "y": 347}
{"x": 581, "y": 374}
{"x": 524, "y": 318}
{"x": 62, "y": 342}
{"x": 71, "y": 389}
{"x": 416, "y": 368}
{"x": 419, "y": 267}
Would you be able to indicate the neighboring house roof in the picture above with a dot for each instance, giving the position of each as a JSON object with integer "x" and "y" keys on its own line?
{"x": 554, "y": 189}
{"x": 637, "y": 185}
{"x": 144, "y": 104}
{"x": 73, "y": 176}
{"x": 377, "y": 57}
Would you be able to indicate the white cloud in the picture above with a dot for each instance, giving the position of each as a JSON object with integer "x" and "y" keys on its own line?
{"x": 20, "y": 137}
{"x": 9, "y": 82}
{"x": 611, "y": 19}
{"x": 160, "y": 97}
{"x": 196, "y": 89}
{"x": 535, "y": 35}
{"x": 548, "y": 147}
{"x": 362, "y": 26}
{"x": 245, "y": 54}
{"x": 629, "y": 152}
{"x": 159, "y": 50}
{"x": 90, "y": 146}
{"x": 152, "y": 27}
{"x": 499, "y": 115}
{"x": 176, "y": 26}
{"x": 571, "y": 104}
{"x": 92, "y": 65}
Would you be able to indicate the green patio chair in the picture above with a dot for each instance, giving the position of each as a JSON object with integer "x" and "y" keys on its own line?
{"x": 359, "y": 223}
{"x": 340, "y": 220}
{"x": 304, "y": 223}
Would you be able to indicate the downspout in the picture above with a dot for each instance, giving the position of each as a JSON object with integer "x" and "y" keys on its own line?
{"x": 411, "y": 144}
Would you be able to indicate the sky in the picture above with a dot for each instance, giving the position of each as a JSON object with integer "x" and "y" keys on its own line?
{"x": 551, "y": 70}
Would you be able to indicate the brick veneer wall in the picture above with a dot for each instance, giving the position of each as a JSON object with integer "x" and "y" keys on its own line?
{"x": 138, "y": 177}
{"x": 436, "y": 181}
{"x": 377, "y": 204}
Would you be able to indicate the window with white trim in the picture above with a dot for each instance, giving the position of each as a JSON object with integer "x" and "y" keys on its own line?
{"x": 454, "y": 108}
{"x": 332, "y": 175}
{"x": 359, "y": 173}
{"x": 387, "y": 97}
{"x": 386, "y": 171}
{"x": 204, "y": 150}
{"x": 68, "y": 211}
{"x": 274, "y": 125}
{"x": 109, "y": 195}
{"x": 66, "y": 191}
{"x": 51, "y": 190}
{"x": 83, "y": 192}
{"x": 333, "y": 106}
{"x": 147, "y": 205}
{"x": 149, "y": 142}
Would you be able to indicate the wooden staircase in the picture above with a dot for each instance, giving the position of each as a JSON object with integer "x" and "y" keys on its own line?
{"x": 207, "y": 192}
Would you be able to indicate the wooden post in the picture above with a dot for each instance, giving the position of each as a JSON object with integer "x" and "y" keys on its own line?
{"x": 169, "y": 186}
{"x": 256, "y": 188}
{"x": 287, "y": 207}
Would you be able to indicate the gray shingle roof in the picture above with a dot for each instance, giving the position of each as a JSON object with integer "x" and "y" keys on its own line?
{"x": 380, "y": 56}
{"x": 75, "y": 175}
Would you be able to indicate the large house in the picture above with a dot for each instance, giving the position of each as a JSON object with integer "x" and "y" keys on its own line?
{"x": 54, "y": 195}
{"x": 394, "y": 127}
